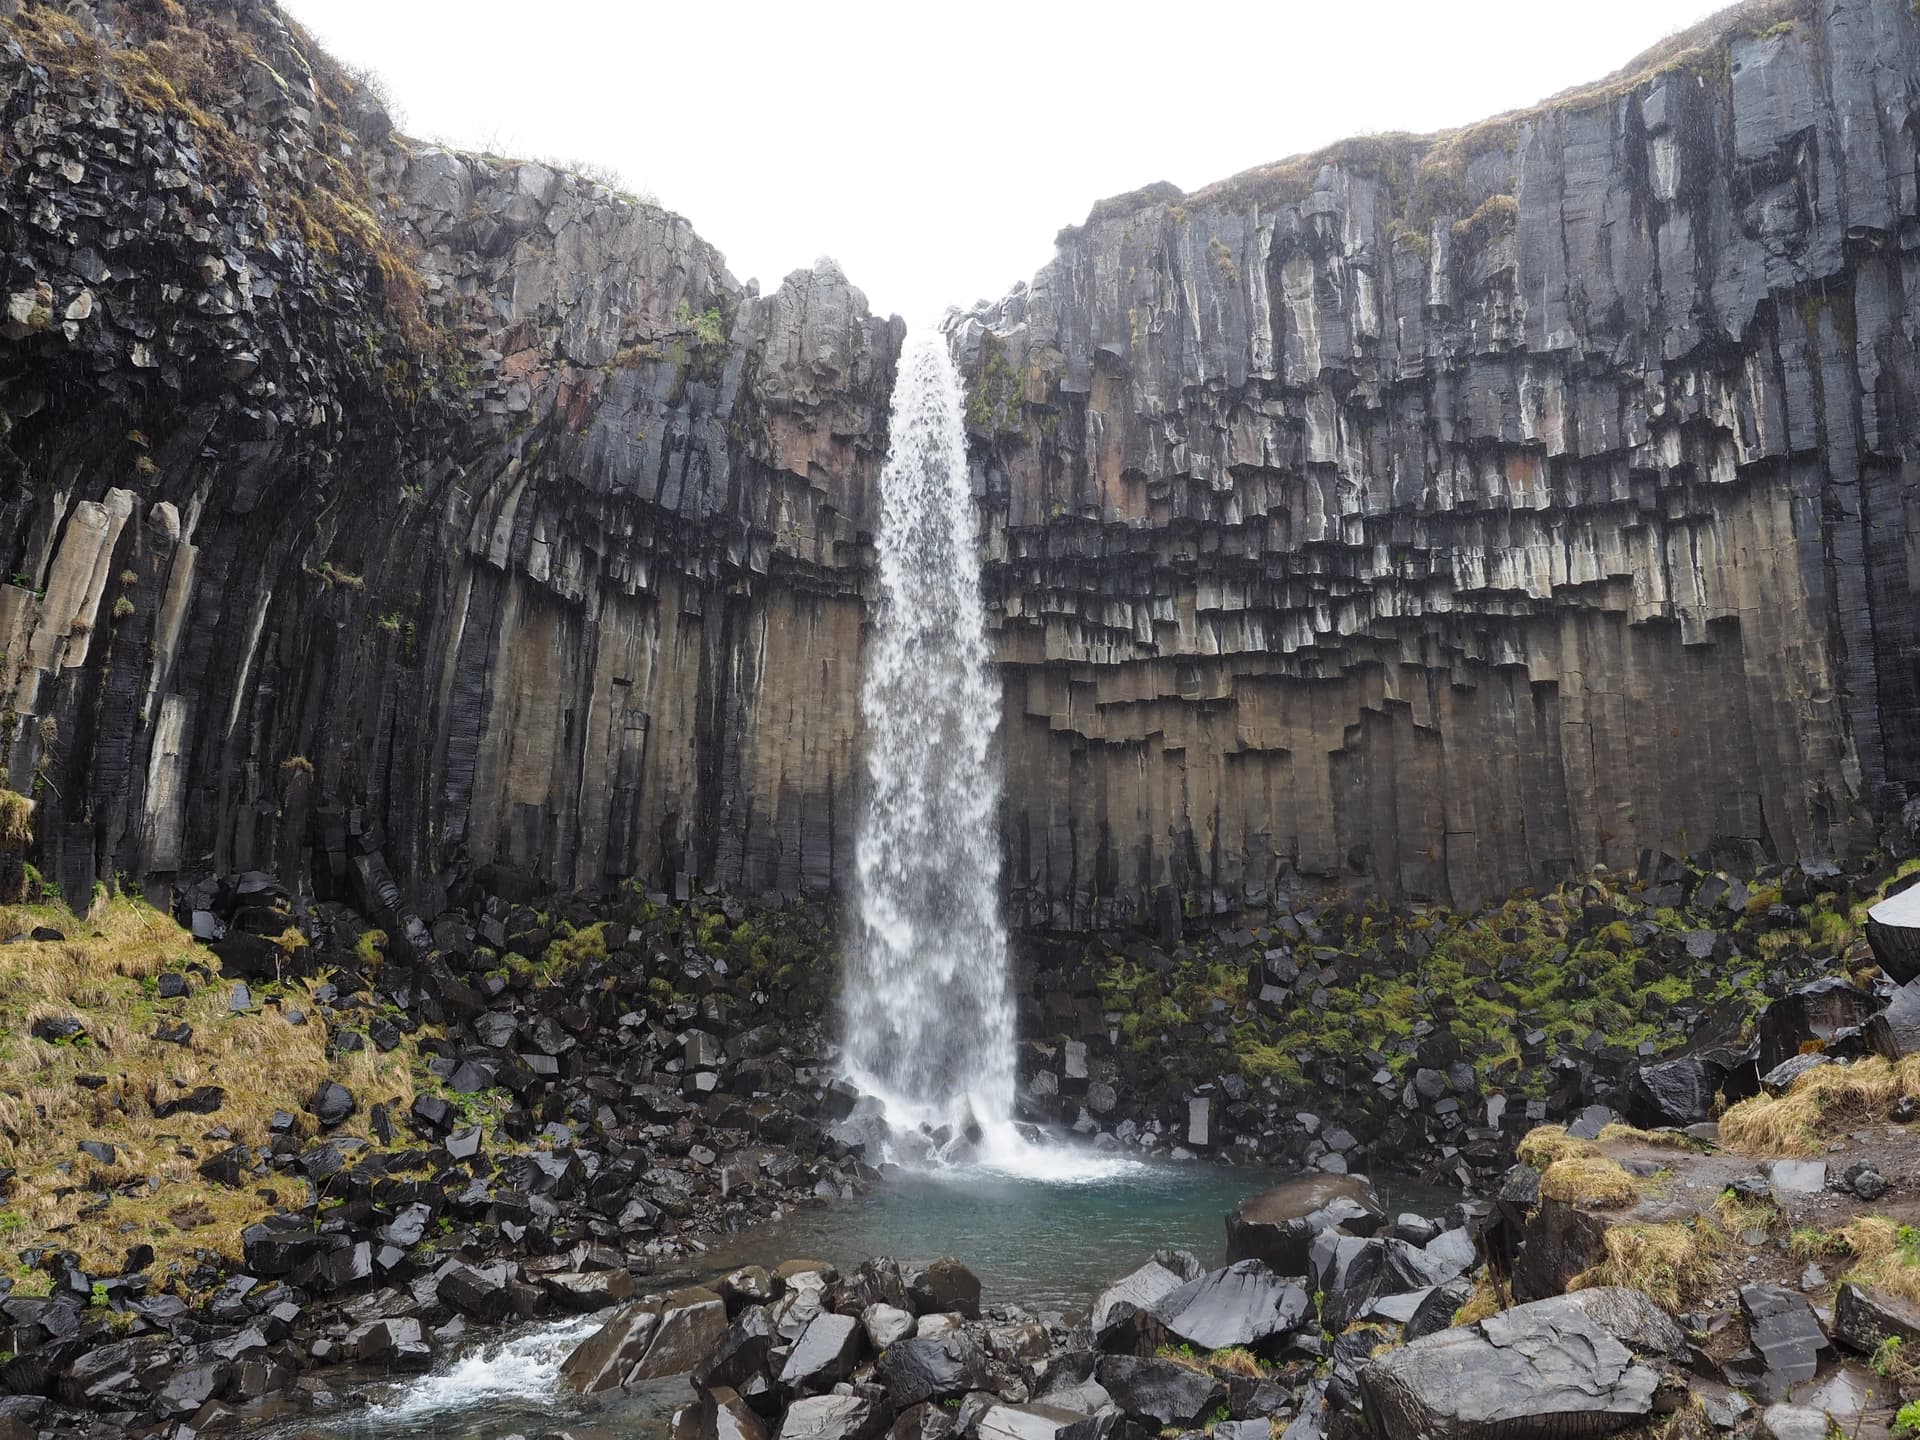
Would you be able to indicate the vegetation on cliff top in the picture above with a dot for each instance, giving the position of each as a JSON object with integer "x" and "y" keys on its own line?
{"x": 187, "y": 61}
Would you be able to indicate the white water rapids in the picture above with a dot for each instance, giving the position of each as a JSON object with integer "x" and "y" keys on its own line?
{"x": 929, "y": 1020}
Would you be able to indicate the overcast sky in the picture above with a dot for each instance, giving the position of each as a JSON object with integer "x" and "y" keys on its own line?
{"x": 934, "y": 148}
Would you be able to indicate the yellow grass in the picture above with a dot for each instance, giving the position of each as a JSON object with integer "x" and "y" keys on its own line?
{"x": 1823, "y": 1102}
{"x": 1484, "y": 1301}
{"x": 1589, "y": 1180}
{"x": 1548, "y": 1143}
{"x": 16, "y": 820}
{"x": 1670, "y": 1264}
{"x": 1880, "y": 1258}
{"x": 104, "y": 974}
{"x": 1234, "y": 1360}
{"x": 1634, "y": 1135}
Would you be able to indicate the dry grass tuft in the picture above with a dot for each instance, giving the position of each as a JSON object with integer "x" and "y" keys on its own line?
{"x": 1236, "y": 1361}
{"x": 1634, "y": 1135}
{"x": 1886, "y": 1255}
{"x": 1737, "y": 1216}
{"x": 1549, "y": 1143}
{"x": 1831, "y": 1098}
{"x": 1589, "y": 1180}
{"x": 16, "y": 820}
{"x": 1670, "y": 1264}
{"x": 1484, "y": 1302}
{"x": 106, "y": 977}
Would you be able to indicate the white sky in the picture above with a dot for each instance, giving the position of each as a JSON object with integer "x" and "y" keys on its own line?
{"x": 934, "y": 147}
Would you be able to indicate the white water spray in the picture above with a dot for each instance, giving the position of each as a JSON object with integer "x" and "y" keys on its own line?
{"x": 929, "y": 1020}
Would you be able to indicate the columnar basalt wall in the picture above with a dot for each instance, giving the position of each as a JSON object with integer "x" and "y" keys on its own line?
{"x": 1426, "y": 517}
{"x": 373, "y": 512}
{"x": 1435, "y": 516}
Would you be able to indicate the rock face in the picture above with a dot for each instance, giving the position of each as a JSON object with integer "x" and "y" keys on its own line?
{"x": 1446, "y": 514}
{"x": 452, "y": 512}
{"x": 1433, "y": 515}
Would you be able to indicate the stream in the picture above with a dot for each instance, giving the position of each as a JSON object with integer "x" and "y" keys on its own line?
{"x": 1050, "y": 1245}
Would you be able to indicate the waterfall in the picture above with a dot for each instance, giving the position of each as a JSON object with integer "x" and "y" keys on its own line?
{"x": 929, "y": 1020}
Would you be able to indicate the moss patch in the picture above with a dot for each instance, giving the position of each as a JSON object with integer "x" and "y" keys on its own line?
{"x": 112, "y": 1080}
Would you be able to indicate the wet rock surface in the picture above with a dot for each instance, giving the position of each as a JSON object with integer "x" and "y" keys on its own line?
{"x": 1339, "y": 370}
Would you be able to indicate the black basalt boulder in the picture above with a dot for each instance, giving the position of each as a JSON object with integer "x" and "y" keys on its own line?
{"x": 938, "y": 1369}
{"x": 1244, "y": 1304}
{"x": 1278, "y": 1225}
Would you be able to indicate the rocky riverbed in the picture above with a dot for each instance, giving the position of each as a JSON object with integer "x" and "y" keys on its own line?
{"x": 592, "y": 1091}
{"x": 1330, "y": 1319}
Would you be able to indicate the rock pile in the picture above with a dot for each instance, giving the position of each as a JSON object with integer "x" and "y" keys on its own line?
{"x": 1361, "y": 1344}
{"x": 669, "y": 1080}
{"x": 1343, "y": 1037}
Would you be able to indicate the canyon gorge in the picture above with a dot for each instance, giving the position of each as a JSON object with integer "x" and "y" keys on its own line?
{"x": 534, "y": 773}
{"x": 1422, "y": 518}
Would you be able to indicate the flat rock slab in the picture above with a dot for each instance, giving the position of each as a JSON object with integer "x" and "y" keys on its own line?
{"x": 1549, "y": 1368}
{"x": 1790, "y": 1178}
{"x": 832, "y": 1417}
{"x": 1786, "y": 1337}
{"x": 1026, "y": 1422}
{"x": 1244, "y": 1304}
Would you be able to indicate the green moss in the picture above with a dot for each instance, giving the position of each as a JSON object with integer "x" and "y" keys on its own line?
{"x": 1488, "y": 979}
{"x": 995, "y": 395}
{"x": 577, "y": 948}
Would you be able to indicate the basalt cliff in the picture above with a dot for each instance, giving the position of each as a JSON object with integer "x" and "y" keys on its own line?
{"x": 1427, "y": 517}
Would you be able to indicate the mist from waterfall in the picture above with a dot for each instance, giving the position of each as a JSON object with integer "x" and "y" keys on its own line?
{"x": 929, "y": 1021}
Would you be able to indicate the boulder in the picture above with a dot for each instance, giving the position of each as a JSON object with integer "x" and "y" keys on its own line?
{"x": 1025, "y": 1422}
{"x": 917, "y": 1370}
{"x": 1863, "y": 1317}
{"x": 1159, "y": 1392}
{"x": 647, "y": 1340}
{"x": 824, "y": 1354}
{"x": 720, "y": 1414}
{"x": 1119, "y": 1307}
{"x": 1278, "y": 1225}
{"x": 479, "y": 1291}
{"x": 331, "y": 1104}
{"x": 691, "y": 1324}
{"x": 1673, "y": 1092}
{"x": 944, "y": 1286}
{"x": 1893, "y": 930}
{"x": 1550, "y": 1368}
{"x": 605, "y": 1358}
{"x": 917, "y": 1422}
{"x": 1352, "y": 1273}
{"x": 1895, "y": 1031}
{"x": 740, "y": 1353}
{"x": 886, "y": 1324}
{"x": 583, "y": 1291}
{"x": 833, "y": 1417}
{"x": 1244, "y": 1304}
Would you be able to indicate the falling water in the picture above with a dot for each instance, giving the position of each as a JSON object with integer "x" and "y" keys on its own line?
{"x": 929, "y": 1021}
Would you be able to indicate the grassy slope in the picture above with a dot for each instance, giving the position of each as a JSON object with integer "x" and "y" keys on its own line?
{"x": 106, "y": 974}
